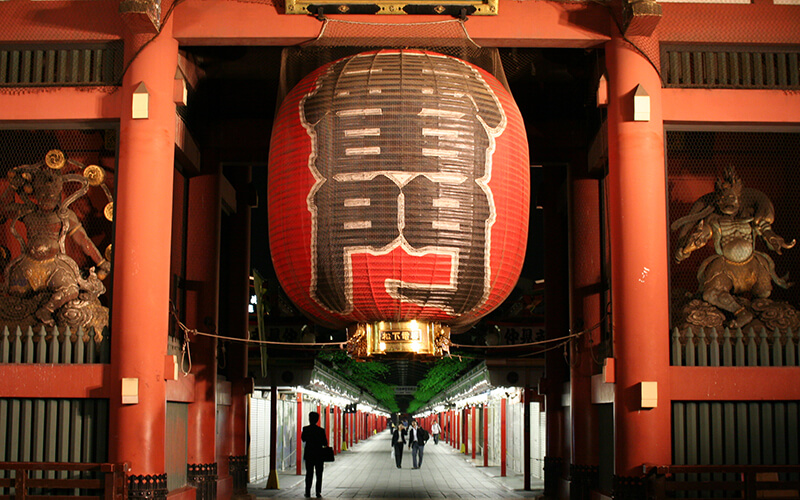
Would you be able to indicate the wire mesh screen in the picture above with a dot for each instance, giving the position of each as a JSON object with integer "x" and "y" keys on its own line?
{"x": 733, "y": 253}
{"x": 59, "y": 45}
{"x": 338, "y": 39}
{"x": 57, "y": 198}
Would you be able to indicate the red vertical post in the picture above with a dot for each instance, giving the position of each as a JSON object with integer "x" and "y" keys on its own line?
{"x": 639, "y": 261}
{"x": 202, "y": 268}
{"x": 486, "y": 435}
{"x": 143, "y": 230}
{"x": 474, "y": 434}
{"x": 503, "y": 437}
{"x": 465, "y": 430}
{"x": 328, "y": 423}
{"x": 449, "y": 418}
{"x": 459, "y": 429}
{"x": 556, "y": 294}
{"x": 238, "y": 297}
{"x": 337, "y": 440}
{"x": 588, "y": 308}
{"x": 453, "y": 430}
{"x": 299, "y": 450}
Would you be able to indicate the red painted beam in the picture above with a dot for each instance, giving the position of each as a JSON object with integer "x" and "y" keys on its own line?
{"x": 55, "y": 381}
{"x": 724, "y": 106}
{"x": 62, "y": 104}
{"x": 518, "y": 24}
{"x": 700, "y": 383}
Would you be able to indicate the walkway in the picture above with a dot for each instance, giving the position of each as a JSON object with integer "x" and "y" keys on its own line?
{"x": 368, "y": 471}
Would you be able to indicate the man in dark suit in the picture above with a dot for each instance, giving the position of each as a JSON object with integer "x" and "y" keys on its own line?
{"x": 315, "y": 438}
{"x": 417, "y": 437}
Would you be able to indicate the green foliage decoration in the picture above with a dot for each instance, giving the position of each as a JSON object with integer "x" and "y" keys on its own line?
{"x": 441, "y": 376}
{"x": 367, "y": 375}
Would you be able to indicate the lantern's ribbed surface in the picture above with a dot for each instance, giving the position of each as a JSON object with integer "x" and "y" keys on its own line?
{"x": 398, "y": 190}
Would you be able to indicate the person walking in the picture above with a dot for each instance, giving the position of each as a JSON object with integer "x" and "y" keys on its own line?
{"x": 436, "y": 429}
{"x": 417, "y": 437}
{"x": 315, "y": 439}
{"x": 398, "y": 443}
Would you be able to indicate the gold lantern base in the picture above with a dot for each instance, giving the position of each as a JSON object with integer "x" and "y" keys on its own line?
{"x": 398, "y": 339}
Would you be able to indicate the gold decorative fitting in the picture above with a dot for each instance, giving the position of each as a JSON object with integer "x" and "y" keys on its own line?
{"x": 94, "y": 174}
{"x": 398, "y": 339}
{"x": 393, "y": 7}
{"x": 108, "y": 211}
{"x": 55, "y": 159}
{"x": 108, "y": 253}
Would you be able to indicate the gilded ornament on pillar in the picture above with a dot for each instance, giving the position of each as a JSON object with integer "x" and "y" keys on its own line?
{"x": 94, "y": 174}
{"x": 55, "y": 159}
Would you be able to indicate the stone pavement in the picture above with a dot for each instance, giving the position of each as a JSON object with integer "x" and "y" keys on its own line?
{"x": 367, "y": 470}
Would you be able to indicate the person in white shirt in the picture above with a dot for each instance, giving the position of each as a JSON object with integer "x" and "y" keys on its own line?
{"x": 435, "y": 430}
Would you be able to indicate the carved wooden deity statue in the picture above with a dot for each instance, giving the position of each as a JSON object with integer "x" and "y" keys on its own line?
{"x": 732, "y": 218}
{"x": 44, "y": 285}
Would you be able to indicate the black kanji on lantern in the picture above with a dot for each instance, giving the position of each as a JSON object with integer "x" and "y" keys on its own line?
{"x": 402, "y": 146}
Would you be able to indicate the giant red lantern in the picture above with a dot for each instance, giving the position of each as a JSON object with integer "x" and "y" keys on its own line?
{"x": 398, "y": 197}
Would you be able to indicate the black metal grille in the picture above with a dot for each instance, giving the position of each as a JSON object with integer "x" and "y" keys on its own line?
{"x": 78, "y": 64}
{"x": 720, "y": 66}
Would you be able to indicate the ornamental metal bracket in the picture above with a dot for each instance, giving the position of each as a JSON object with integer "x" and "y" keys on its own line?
{"x": 640, "y": 17}
{"x": 455, "y": 8}
{"x": 141, "y": 15}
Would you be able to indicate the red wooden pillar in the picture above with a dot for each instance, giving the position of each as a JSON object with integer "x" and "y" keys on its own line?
{"x": 453, "y": 430}
{"x": 459, "y": 428}
{"x": 486, "y": 435}
{"x": 587, "y": 311}
{"x": 238, "y": 297}
{"x": 503, "y": 437}
{"x": 474, "y": 434}
{"x": 556, "y": 321}
{"x": 337, "y": 441}
{"x": 140, "y": 318}
{"x": 299, "y": 441}
{"x": 327, "y": 423}
{"x": 639, "y": 261}
{"x": 449, "y": 418}
{"x": 202, "y": 267}
{"x": 465, "y": 430}
{"x": 350, "y": 429}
